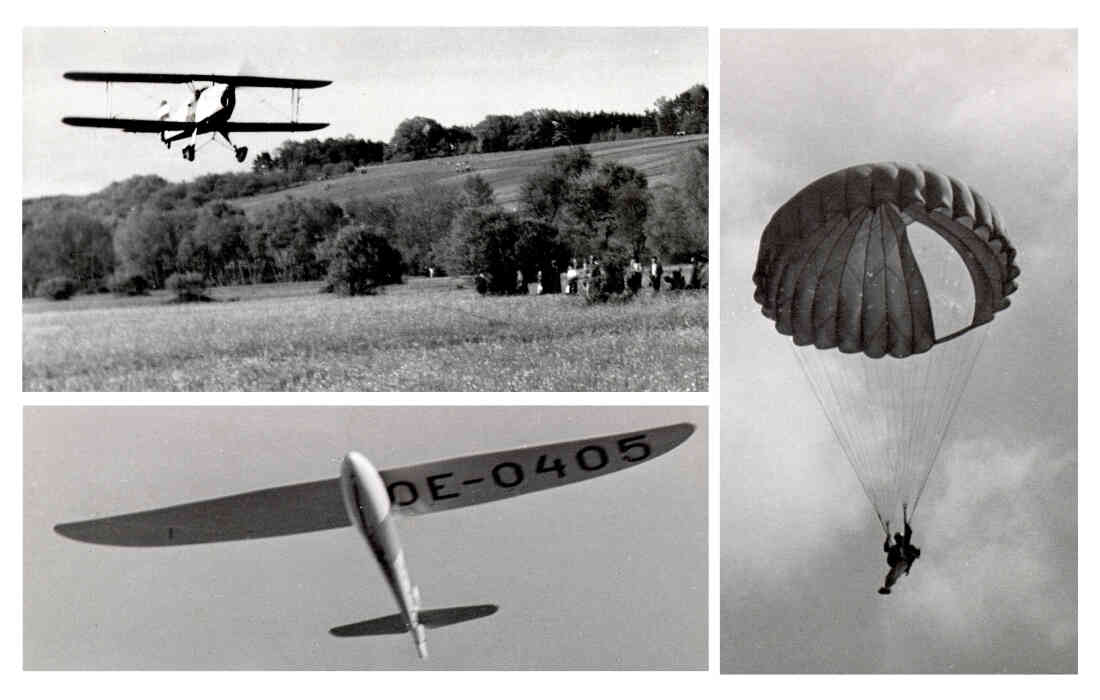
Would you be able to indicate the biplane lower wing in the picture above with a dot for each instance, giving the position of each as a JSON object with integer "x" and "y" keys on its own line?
{"x": 234, "y": 80}
{"x": 157, "y": 126}
{"x": 412, "y": 490}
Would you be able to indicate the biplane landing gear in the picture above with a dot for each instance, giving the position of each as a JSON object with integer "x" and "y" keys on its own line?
{"x": 241, "y": 153}
{"x": 189, "y": 153}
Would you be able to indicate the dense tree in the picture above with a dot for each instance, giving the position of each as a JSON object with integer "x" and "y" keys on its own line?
{"x": 146, "y": 242}
{"x": 73, "y": 245}
{"x": 494, "y": 132}
{"x": 297, "y": 156}
{"x": 597, "y": 210}
{"x": 217, "y": 246}
{"x": 539, "y": 248}
{"x": 413, "y": 222}
{"x": 678, "y": 229}
{"x": 686, "y": 113}
{"x": 423, "y": 217}
{"x": 287, "y": 236}
{"x": 483, "y": 240}
{"x": 546, "y": 192}
{"x": 360, "y": 260}
{"x": 417, "y": 138}
{"x": 476, "y": 192}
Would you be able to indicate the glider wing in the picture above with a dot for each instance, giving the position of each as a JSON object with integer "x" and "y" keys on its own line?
{"x": 414, "y": 490}
{"x": 475, "y": 479}
{"x": 284, "y": 510}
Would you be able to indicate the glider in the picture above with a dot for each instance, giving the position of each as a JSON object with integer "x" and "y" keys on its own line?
{"x": 369, "y": 499}
{"x": 886, "y": 276}
{"x": 207, "y": 111}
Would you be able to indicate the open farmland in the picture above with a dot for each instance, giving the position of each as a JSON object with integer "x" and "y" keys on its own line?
{"x": 656, "y": 158}
{"x": 426, "y": 335}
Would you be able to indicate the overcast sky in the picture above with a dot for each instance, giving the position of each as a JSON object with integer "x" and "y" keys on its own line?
{"x": 380, "y": 77}
{"x": 996, "y": 587}
{"x": 607, "y": 574}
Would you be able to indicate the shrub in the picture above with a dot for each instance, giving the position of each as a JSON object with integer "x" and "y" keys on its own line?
{"x": 128, "y": 284}
{"x": 359, "y": 261}
{"x": 56, "y": 288}
{"x": 188, "y": 286}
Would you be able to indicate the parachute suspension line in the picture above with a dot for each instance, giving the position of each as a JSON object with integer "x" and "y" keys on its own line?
{"x": 922, "y": 384}
{"x": 844, "y": 437}
{"x": 948, "y": 366}
{"x": 962, "y": 377}
{"x": 889, "y": 414}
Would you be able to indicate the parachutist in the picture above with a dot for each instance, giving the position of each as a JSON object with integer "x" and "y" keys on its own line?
{"x": 899, "y": 556}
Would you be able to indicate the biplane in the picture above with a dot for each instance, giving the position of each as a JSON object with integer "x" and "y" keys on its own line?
{"x": 208, "y": 109}
{"x": 369, "y": 499}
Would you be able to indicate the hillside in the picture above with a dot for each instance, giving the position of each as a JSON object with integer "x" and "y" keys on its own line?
{"x": 655, "y": 157}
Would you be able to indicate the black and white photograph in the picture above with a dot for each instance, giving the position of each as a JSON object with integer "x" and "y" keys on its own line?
{"x": 365, "y": 209}
{"x": 277, "y": 538}
{"x": 899, "y": 351}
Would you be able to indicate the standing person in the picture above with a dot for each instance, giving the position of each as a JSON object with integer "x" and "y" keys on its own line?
{"x": 571, "y": 277}
{"x": 634, "y": 281}
{"x": 696, "y": 281}
{"x": 655, "y": 272}
{"x": 551, "y": 279}
{"x": 594, "y": 285}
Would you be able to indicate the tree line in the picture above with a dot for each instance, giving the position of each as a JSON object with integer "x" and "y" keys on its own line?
{"x": 137, "y": 234}
{"x": 420, "y": 137}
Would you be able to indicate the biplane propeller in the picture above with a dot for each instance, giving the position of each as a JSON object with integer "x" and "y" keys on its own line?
{"x": 207, "y": 111}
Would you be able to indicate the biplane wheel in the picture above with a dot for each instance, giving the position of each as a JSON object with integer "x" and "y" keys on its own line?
{"x": 241, "y": 153}
{"x": 189, "y": 153}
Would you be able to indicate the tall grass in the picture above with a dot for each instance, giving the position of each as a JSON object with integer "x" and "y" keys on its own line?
{"x": 426, "y": 337}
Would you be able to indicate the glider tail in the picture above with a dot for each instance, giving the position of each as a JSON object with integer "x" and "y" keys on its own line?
{"x": 420, "y": 636}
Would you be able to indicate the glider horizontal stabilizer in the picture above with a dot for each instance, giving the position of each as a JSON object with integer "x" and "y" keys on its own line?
{"x": 413, "y": 490}
{"x": 234, "y": 80}
{"x": 432, "y": 619}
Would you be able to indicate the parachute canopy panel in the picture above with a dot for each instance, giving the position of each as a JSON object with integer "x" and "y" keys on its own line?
{"x": 836, "y": 269}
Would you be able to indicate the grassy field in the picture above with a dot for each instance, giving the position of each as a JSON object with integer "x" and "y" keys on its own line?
{"x": 656, "y": 158}
{"x": 426, "y": 335}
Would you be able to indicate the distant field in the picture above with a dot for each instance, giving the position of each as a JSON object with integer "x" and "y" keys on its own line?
{"x": 426, "y": 335}
{"x": 654, "y": 157}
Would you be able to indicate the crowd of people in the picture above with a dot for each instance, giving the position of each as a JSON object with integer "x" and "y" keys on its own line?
{"x": 592, "y": 274}
{"x": 592, "y": 277}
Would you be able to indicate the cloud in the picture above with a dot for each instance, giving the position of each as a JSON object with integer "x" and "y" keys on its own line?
{"x": 994, "y": 591}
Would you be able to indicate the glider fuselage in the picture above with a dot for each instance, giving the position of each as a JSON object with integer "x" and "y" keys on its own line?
{"x": 368, "y": 506}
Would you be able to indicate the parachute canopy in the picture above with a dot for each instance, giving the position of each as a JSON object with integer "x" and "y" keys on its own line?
{"x": 896, "y": 266}
{"x": 836, "y": 269}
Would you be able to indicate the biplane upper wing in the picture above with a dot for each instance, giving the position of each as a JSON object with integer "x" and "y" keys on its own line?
{"x": 156, "y": 126}
{"x": 235, "y": 80}
{"x": 414, "y": 490}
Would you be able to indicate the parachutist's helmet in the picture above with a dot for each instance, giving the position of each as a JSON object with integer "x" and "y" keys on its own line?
{"x": 897, "y": 537}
